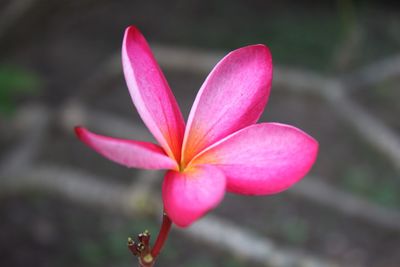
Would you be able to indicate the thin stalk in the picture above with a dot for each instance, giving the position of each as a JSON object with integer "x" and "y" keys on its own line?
{"x": 162, "y": 235}
{"x": 146, "y": 256}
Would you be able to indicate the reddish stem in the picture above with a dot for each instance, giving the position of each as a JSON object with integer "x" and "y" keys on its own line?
{"x": 141, "y": 248}
{"x": 162, "y": 235}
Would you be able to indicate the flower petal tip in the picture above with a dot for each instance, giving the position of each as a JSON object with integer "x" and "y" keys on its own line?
{"x": 80, "y": 132}
{"x": 132, "y": 31}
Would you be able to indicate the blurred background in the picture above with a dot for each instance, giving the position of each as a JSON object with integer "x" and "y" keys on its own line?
{"x": 337, "y": 74}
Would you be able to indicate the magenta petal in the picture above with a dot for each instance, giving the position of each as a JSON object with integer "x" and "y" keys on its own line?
{"x": 262, "y": 159}
{"x": 189, "y": 195}
{"x": 151, "y": 94}
{"x": 232, "y": 97}
{"x": 127, "y": 152}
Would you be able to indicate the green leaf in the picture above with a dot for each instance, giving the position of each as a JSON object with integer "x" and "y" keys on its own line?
{"x": 15, "y": 81}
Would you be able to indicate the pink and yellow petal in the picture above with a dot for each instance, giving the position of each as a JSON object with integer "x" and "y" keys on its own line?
{"x": 232, "y": 97}
{"x": 190, "y": 194}
{"x": 151, "y": 94}
{"x": 262, "y": 159}
{"x": 127, "y": 152}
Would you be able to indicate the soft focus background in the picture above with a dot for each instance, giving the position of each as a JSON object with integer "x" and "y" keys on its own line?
{"x": 337, "y": 75}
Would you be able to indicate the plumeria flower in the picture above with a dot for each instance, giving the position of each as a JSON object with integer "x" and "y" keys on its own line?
{"x": 221, "y": 148}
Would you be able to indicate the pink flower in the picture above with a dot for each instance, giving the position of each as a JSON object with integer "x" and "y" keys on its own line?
{"x": 220, "y": 148}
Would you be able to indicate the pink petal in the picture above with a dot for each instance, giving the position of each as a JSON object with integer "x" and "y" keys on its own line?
{"x": 262, "y": 159}
{"x": 232, "y": 97}
{"x": 127, "y": 152}
{"x": 189, "y": 195}
{"x": 151, "y": 94}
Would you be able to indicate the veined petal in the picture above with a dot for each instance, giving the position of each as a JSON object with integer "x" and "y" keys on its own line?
{"x": 262, "y": 159}
{"x": 127, "y": 152}
{"x": 232, "y": 97}
{"x": 189, "y": 195}
{"x": 151, "y": 94}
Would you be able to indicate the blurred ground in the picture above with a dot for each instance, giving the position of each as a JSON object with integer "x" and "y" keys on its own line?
{"x": 63, "y": 50}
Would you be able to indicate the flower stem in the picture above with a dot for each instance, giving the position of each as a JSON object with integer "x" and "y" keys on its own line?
{"x": 142, "y": 250}
{"x": 162, "y": 235}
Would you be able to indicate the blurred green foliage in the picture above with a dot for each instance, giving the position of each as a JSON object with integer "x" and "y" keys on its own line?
{"x": 295, "y": 231}
{"x": 362, "y": 181}
{"x": 111, "y": 247}
{"x": 299, "y": 34}
{"x": 15, "y": 82}
{"x": 296, "y": 39}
